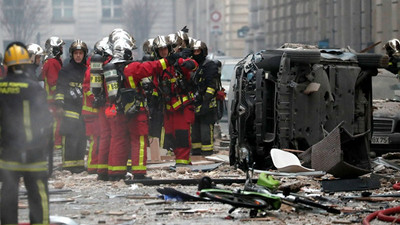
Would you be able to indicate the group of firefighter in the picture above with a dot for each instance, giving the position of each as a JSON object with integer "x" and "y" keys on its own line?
{"x": 113, "y": 105}
{"x": 125, "y": 102}
{"x": 106, "y": 101}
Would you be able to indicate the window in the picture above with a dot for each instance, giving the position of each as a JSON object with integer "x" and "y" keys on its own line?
{"x": 12, "y": 11}
{"x": 63, "y": 9}
{"x": 111, "y": 9}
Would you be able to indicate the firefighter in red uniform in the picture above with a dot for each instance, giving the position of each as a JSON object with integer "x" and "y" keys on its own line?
{"x": 68, "y": 99}
{"x": 51, "y": 67}
{"x": 179, "y": 111}
{"x": 122, "y": 44}
{"x": 135, "y": 108}
{"x": 25, "y": 139}
{"x": 90, "y": 113}
{"x": 114, "y": 141}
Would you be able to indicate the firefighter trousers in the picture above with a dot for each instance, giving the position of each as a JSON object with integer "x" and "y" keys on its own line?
{"x": 104, "y": 143}
{"x": 138, "y": 134}
{"x": 177, "y": 126}
{"x": 119, "y": 146}
{"x": 57, "y": 137}
{"x": 38, "y": 198}
{"x": 93, "y": 135}
{"x": 202, "y": 136}
{"x": 74, "y": 147}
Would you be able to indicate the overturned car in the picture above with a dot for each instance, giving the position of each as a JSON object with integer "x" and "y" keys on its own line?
{"x": 293, "y": 98}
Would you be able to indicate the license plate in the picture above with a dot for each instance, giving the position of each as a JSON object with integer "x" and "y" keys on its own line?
{"x": 379, "y": 140}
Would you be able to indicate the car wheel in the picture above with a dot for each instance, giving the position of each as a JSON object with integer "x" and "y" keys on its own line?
{"x": 372, "y": 60}
{"x": 272, "y": 58}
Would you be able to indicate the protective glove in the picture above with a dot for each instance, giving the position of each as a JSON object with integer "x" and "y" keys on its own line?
{"x": 173, "y": 58}
{"x": 204, "y": 109}
{"x": 186, "y": 53}
{"x": 189, "y": 64}
{"x": 99, "y": 101}
{"x": 185, "y": 29}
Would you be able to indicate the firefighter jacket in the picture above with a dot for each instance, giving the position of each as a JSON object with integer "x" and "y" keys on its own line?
{"x": 69, "y": 92}
{"x": 175, "y": 86}
{"x": 394, "y": 65}
{"x": 50, "y": 71}
{"x": 88, "y": 98}
{"x": 136, "y": 71}
{"x": 25, "y": 125}
{"x": 206, "y": 83}
{"x": 2, "y": 71}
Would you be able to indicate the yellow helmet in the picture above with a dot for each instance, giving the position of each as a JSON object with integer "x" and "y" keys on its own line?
{"x": 16, "y": 54}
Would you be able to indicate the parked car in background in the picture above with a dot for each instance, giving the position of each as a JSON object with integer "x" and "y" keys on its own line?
{"x": 227, "y": 72}
{"x": 386, "y": 113}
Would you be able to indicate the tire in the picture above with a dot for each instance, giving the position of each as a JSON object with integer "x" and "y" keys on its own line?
{"x": 370, "y": 60}
{"x": 272, "y": 58}
{"x": 237, "y": 199}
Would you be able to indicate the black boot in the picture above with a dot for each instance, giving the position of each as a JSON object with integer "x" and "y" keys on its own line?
{"x": 196, "y": 151}
{"x": 141, "y": 177}
{"x": 207, "y": 153}
{"x": 103, "y": 177}
{"x": 116, "y": 177}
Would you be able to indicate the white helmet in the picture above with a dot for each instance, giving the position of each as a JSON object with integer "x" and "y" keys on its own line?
{"x": 34, "y": 50}
{"x": 53, "y": 47}
{"x": 101, "y": 47}
{"x": 122, "y": 51}
{"x": 119, "y": 33}
{"x": 392, "y": 47}
{"x": 148, "y": 46}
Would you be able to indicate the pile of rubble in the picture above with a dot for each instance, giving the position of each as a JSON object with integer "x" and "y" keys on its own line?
{"x": 84, "y": 199}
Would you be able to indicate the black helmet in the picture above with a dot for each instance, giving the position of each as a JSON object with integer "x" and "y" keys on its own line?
{"x": 78, "y": 45}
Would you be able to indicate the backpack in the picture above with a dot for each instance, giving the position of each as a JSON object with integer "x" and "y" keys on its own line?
{"x": 220, "y": 92}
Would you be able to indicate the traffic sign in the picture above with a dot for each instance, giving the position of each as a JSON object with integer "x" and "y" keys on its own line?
{"x": 216, "y": 16}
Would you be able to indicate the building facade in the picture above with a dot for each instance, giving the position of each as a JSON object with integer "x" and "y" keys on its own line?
{"x": 326, "y": 23}
{"x": 90, "y": 20}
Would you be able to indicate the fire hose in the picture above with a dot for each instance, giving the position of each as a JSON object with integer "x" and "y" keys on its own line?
{"x": 383, "y": 215}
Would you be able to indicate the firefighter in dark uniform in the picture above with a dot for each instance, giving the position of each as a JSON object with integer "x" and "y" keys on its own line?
{"x": 25, "y": 139}
{"x": 2, "y": 69}
{"x": 206, "y": 82}
{"x": 392, "y": 48}
{"x": 69, "y": 101}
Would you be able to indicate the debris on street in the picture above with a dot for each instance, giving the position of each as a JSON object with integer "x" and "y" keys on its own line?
{"x": 171, "y": 196}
